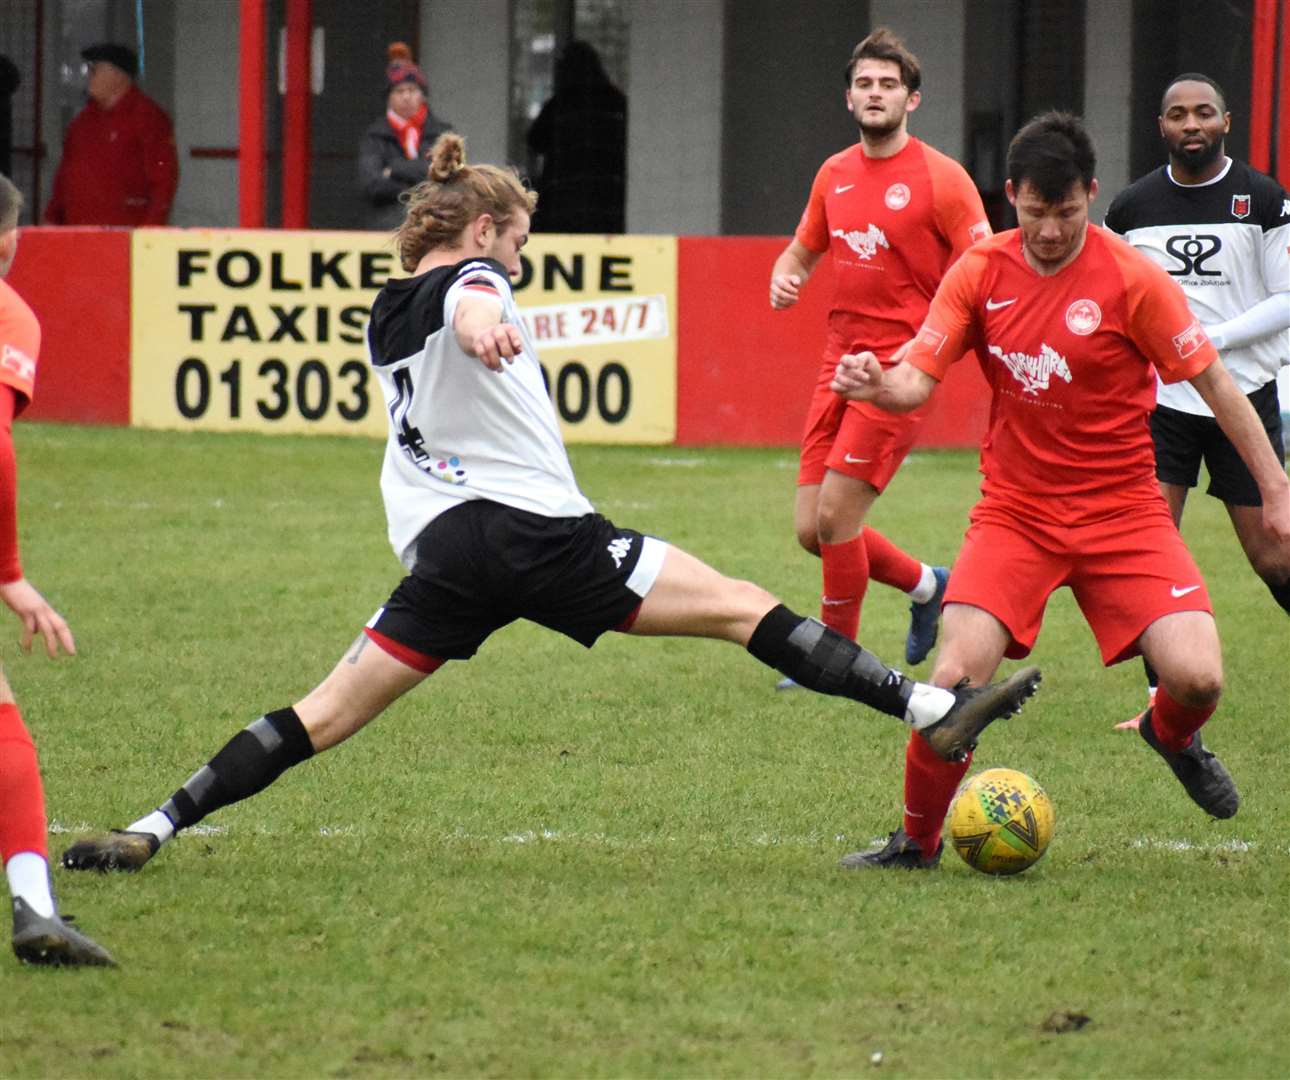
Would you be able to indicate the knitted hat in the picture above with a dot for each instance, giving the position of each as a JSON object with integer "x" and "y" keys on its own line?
{"x": 401, "y": 69}
{"x": 121, "y": 56}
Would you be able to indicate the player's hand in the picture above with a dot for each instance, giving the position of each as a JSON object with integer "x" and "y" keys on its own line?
{"x": 37, "y": 617}
{"x": 858, "y": 377}
{"x": 496, "y": 344}
{"x": 784, "y": 289}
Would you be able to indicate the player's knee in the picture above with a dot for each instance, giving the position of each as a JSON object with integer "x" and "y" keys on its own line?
{"x": 808, "y": 536}
{"x": 1272, "y": 564}
{"x": 1199, "y": 688}
{"x": 835, "y": 523}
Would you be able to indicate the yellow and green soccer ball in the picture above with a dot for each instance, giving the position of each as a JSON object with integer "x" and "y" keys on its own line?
{"x": 1001, "y": 821}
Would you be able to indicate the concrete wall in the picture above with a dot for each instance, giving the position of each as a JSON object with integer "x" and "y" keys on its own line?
{"x": 1108, "y": 97}
{"x": 934, "y": 30}
{"x": 674, "y": 100}
{"x": 465, "y": 51}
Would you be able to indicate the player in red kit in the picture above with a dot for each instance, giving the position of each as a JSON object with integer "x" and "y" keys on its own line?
{"x": 1071, "y": 326}
{"x": 39, "y": 935}
{"x": 894, "y": 214}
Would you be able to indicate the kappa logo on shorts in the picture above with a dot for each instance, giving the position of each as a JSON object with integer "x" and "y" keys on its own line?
{"x": 618, "y": 549}
{"x": 864, "y": 244}
{"x": 1034, "y": 372}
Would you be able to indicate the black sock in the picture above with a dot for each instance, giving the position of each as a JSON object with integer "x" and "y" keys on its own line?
{"x": 249, "y": 762}
{"x": 1153, "y": 680}
{"x": 1281, "y": 594}
{"x": 820, "y": 659}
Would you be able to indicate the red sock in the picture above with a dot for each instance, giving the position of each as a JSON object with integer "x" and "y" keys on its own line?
{"x": 890, "y": 565}
{"x": 846, "y": 577}
{"x": 22, "y": 799}
{"x": 930, "y": 784}
{"x": 1175, "y": 724}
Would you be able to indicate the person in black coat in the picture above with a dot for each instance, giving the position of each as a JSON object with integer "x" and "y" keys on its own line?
{"x": 580, "y": 137}
{"x": 391, "y": 156}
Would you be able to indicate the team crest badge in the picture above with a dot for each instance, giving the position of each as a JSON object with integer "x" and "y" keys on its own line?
{"x": 1240, "y": 206}
{"x": 897, "y": 197}
{"x": 1083, "y": 317}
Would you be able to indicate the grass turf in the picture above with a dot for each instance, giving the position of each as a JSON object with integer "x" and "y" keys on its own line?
{"x": 549, "y": 862}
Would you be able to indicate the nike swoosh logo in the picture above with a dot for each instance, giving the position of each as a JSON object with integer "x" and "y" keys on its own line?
{"x": 1176, "y": 592}
{"x": 830, "y": 602}
{"x": 855, "y": 460}
{"x": 844, "y": 187}
{"x": 995, "y": 305}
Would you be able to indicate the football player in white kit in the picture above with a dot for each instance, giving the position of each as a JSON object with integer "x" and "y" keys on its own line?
{"x": 486, "y": 516}
{"x": 1222, "y": 230}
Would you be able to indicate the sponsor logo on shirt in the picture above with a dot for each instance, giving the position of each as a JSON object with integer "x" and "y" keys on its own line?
{"x": 1240, "y": 206}
{"x": 897, "y": 197}
{"x": 1192, "y": 253}
{"x": 1083, "y": 317}
{"x": 618, "y": 549}
{"x": 1034, "y": 372}
{"x": 1189, "y": 340}
{"x": 15, "y": 360}
{"x": 864, "y": 244}
{"x": 979, "y": 231}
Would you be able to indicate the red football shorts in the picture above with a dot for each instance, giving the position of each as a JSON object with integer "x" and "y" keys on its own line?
{"x": 854, "y": 438}
{"x": 1126, "y": 571}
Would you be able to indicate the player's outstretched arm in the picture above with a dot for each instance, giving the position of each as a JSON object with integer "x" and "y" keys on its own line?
{"x": 37, "y": 617}
{"x": 1240, "y": 423}
{"x": 860, "y": 377}
{"x": 480, "y": 331}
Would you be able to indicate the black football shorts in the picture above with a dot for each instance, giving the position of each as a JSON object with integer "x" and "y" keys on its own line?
{"x": 1184, "y": 439}
{"x": 482, "y": 565}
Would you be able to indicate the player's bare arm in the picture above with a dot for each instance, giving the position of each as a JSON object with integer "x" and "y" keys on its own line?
{"x": 481, "y": 332}
{"x": 790, "y": 273}
{"x": 860, "y": 377}
{"x": 1242, "y": 426}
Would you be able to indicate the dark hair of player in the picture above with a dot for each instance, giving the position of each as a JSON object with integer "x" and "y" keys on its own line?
{"x": 1052, "y": 152}
{"x": 1195, "y": 76}
{"x": 10, "y": 204}
{"x": 454, "y": 195}
{"x": 882, "y": 44}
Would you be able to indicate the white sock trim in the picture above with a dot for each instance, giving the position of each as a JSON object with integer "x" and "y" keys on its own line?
{"x": 926, "y": 587}
{"x": 28, "y": 875}
{"x": 927, "y": 704}
{"x": 156, "y": 823}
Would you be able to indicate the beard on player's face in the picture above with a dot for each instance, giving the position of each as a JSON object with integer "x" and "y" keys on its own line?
{"x": 876, "y": 128}
{"x": 1194, "y": 158}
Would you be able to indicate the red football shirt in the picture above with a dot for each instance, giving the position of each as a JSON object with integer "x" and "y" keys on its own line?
{"x": 19, "y": 344}
{"x": 1071, "y": 359}
{"x": 893, "y": 225}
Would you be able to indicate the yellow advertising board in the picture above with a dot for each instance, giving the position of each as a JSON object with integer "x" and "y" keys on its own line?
{"x": 248, "y": 330}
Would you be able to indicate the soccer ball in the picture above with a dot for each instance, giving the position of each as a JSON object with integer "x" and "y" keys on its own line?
{"x": 1001, "y": 821}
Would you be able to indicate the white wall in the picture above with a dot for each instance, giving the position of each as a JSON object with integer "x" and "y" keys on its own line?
{"x": 674, "y": 99}
{"x": 1107, "y": 95}
{"x": 934, "y": 32}
{"x": 465, "y": 50}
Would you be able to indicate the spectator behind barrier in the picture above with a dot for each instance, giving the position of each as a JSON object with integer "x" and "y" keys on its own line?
{"x": 119, "y": 165}
{"x": 580, "y": 137}
{"x": 391, "y": 157}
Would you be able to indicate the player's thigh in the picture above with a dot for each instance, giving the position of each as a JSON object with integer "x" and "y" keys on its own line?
{"x": 6, "y": 691}
{"x": 1184, "y": 649}
{"x": 844, "y": 503}
{"x": 972, "y": 646}
{"x": 1269, "y": 555}
{"x": 365, "y": 682}
{"x": 1007, "y": 568}
{"x": 690, "y": 598}
{"x": 1130, "y": 570}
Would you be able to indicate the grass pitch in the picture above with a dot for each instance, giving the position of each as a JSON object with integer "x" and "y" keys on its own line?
{"x": 549, "y": 862}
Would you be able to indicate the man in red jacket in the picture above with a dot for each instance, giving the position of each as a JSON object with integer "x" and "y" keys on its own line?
{"x": 119, "y": 165}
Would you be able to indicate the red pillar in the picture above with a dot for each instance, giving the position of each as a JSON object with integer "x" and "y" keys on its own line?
{"x": 295, "y": 134}
{"x": 1263, "y": 83}
{"x": 250, "y": 123}
{"x": 1283, "y": 105}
